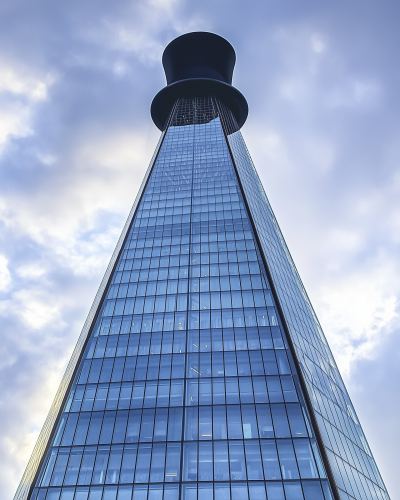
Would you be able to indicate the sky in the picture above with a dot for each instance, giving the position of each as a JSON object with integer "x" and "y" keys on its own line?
{"x": 76, "y": 83}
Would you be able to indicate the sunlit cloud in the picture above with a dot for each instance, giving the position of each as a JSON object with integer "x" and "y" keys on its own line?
{"x": 24, "y": 84}
{"x": 15, "y": 121}
{"x": 19, "y": 94}
{"x": 354, "y": 315}
{"x": 5, "y": 276}
{"x": 30, "y": 271}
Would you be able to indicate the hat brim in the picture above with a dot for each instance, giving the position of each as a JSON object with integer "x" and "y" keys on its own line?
{"x": 166, "y": 98}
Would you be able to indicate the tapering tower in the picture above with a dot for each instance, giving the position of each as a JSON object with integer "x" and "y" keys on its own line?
{"x": 202, "y": 371}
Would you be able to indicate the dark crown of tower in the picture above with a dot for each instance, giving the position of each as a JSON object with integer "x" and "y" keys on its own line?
{"x": 197, "y": 64}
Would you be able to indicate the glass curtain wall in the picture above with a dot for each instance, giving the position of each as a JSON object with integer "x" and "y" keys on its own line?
{"x": 187, "y": 388}
{"x": 350, "y": 458}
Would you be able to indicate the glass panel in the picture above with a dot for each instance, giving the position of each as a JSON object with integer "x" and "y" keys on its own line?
{"x": 187, "y": 378}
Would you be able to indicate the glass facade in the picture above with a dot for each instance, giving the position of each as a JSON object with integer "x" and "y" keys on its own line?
{"x": 190, "y": 381}
{"x": 347, "y": 452}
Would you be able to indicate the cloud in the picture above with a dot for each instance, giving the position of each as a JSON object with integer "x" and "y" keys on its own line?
{"x": 133, "y": 32}
{"x": 76, "y": 137}
{"x": 5, "y": 276}
{"x": 363, "y": 94}
{"x": 26, "y": 85}
{"x": 19, "y": 94}
{"x": 354, "y": 315}
{"x": 317, "y": 43}
{"x": 14, "y": 121}
{"x": 36, "y": 310}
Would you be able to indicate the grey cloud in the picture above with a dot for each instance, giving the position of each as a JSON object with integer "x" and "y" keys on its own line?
{"x": 321, "y": 81}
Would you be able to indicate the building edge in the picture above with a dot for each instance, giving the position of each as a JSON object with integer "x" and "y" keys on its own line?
{"x": 38, "y": 454}
{"x": 302, "y": 383}
{"x": 278, "y": 298}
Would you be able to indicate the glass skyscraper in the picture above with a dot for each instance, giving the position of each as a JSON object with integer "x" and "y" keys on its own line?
{"x": 202, "y": 371}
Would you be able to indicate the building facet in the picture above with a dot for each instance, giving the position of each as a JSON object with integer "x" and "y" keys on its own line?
{"x": 202, "y": 370}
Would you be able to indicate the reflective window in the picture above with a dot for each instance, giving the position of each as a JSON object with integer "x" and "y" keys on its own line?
{"x": 352, "y": 463}
{"x": 187, "y": 388}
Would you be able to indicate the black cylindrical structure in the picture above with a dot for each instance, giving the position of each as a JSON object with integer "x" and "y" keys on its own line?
{"x": 197, "y": 64}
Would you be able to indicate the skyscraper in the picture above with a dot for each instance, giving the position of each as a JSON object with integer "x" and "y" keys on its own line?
{"x": 202, "y": 370}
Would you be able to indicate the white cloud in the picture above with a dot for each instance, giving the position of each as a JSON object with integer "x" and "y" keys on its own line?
{"x": 134, "y": 32}
{"x": 15, "y": 121}
{"x": 317, "y": 43}
{"x": 358, "y": 93}
{"x": 353, "y": 269}
{"x": 293, "y": 89}
{"x": 20, "y": 92}
{"x": 23, "y": 83}
{"x": 35, "y": 308}
{"x": 122, "y": 37}
{"x": 47, "y": 159}
{"x": 5, "y": 277}
{"x": 356, "y": 313}
{"x": 77, "y": 222}
{"x": 30, "y": 271}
